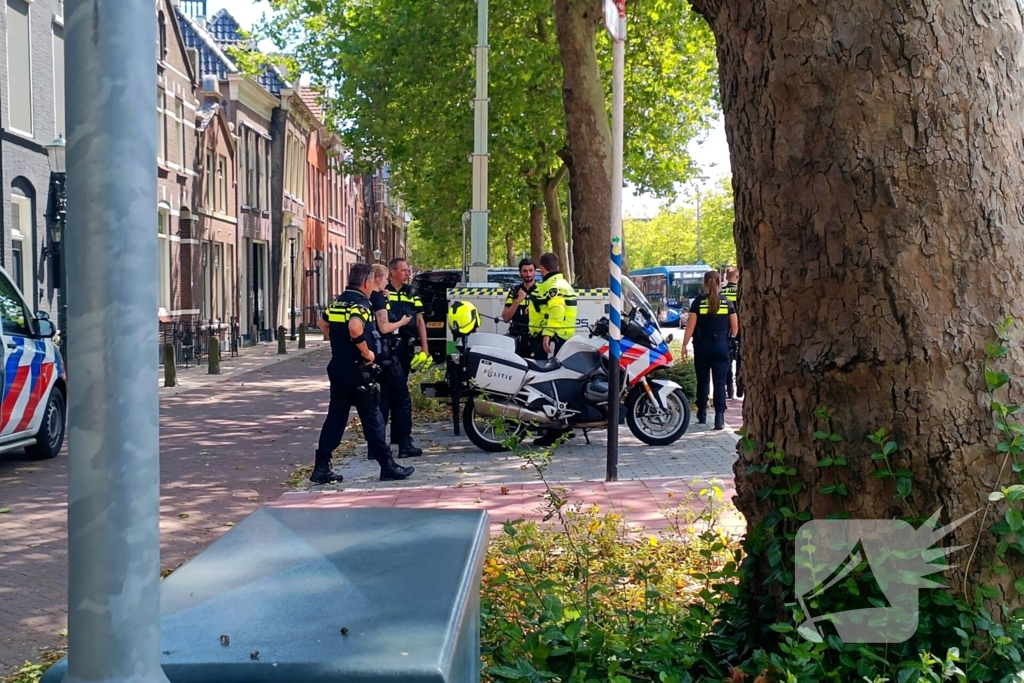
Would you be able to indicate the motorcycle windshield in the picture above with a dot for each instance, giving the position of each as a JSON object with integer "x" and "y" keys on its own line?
{"x": 632, "y": 298}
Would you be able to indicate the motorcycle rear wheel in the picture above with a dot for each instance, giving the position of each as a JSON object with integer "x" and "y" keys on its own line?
{"x": 651, "y": 424}
{"x": 482, "y": 431}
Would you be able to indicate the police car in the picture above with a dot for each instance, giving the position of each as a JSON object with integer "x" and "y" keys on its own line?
{"x": 34, "y": 403}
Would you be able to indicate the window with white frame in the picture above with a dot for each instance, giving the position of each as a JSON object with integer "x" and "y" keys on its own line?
{"x": 19, "y": 67}
{"x": 211, "y": 188}
{"x": 243, "y": 168}
{"x": 207, "y": 284}
{"x": 222, "y": 179}
{"x": 229, "y": 288}
{"x": 164, "y": 238}
{"x": 161, "y": 116}
{"x": 179, "y": 116}
{"x": 58, "y": 74}
{"x": 22, "y": 242}
{"x": 265, "y": 184}
{"x": 259, "y": 172}
{"x": 218, "y": 281}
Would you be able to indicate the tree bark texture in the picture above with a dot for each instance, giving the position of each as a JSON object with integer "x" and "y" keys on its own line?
{"x": 589, "y": 136}
{"x": 876, "y": 150}
{"x": 510, "y": 250}
{"x": 554, "y": 218}
{"x": 536, "y": 226}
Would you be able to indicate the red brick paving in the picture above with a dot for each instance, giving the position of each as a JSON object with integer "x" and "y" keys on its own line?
{"x": 643, "y": 503}
{"x": 226, "y": 449}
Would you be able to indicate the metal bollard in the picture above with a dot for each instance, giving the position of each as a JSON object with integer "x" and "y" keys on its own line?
{"x": 281, "y": 348}
{"x": 213, "y": 363}
{"x": 170, "y": 369}
{"x": 302, "y": 335}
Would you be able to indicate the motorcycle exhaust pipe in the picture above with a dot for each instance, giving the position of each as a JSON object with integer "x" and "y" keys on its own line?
{"x": 508, "y": 411}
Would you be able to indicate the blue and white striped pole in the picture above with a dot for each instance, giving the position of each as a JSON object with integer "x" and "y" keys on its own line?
{"x": 615, "y": 21}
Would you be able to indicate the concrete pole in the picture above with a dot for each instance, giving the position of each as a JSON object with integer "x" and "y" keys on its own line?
{"x": 113, "y": 402}
{"x": 478, "y": 242}
{"x": 618, "y": 12}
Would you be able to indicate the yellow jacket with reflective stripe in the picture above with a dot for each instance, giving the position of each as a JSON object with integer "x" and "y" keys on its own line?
{"x": 553, "y": 307}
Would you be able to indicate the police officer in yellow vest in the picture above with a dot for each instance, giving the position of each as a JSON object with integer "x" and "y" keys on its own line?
{"x": 553, "y": 317}
{"x": 349, "y": 325}
{"x": 517, "y": 311}
{"x": 402, "y": 301}
{"x": 553, "y": 307}
{"x": 731, "y": 291}
{"x": 711, "y": 322}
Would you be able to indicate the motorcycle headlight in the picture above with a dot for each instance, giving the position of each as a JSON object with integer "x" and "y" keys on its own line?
{"x": 656, "y": 337}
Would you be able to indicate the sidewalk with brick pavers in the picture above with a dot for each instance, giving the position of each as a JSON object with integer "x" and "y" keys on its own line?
{"x": 646, "y": 505}
{"x": 229, "y": 444}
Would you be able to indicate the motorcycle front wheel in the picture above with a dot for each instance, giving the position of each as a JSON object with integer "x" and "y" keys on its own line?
{"x": 653, "y": 424}
{"x": 484, "y": 431}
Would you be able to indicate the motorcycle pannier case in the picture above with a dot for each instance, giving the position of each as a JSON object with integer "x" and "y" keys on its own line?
{"x": 496, "y": 370}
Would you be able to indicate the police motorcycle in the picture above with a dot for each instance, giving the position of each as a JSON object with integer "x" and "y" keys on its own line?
{"x": 571, "y": 390}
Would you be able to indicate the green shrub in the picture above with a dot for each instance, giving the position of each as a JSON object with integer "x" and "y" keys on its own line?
{"x": 586, "y": 602}
{"x": 583, "y": 602}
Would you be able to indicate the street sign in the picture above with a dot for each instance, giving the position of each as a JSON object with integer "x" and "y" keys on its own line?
{"x": 615, "y": 18}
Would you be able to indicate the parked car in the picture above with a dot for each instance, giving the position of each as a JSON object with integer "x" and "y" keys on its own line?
{"x": 34, "y": 403}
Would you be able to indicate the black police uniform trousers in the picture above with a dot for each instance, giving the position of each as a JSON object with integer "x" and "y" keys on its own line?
{"x": 395, "y": 403}
{"x": 734, "y": 356}
{"x": 346, "y": 392}
{"x": 711, "y": 360}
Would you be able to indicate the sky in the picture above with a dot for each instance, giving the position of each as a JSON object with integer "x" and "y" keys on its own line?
{"x": 711, "y": 153}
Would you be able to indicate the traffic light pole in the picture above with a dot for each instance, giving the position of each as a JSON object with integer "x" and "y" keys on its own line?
{"x": 113, "y": 402}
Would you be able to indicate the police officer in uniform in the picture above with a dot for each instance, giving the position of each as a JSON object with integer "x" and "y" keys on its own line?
{"x": 712, "y": 321}
{"x": 731, "y": 291}
{"x": 349, "y": 325}
{"x": 555, "y": 300}
{"x": 395, "y": 400}
{"x": 403, "y": 302}
{"x": 517, "y": 311}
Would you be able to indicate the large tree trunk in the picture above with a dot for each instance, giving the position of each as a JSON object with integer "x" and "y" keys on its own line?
{"x": 877, "y": 161}
{"x": 589, "y": 136}
{"x": 536, "y": 225}
{"x": 554, "y": 218}
{"x": 510, "y": 250}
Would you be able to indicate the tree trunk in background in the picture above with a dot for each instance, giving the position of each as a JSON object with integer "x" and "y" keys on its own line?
{"x": 554, "y": 218}
{"x": 589, "y": 134}
{"x": 877, "y": 162}
{"x": 536, "y": 226}
{"x": 510, "y": 250}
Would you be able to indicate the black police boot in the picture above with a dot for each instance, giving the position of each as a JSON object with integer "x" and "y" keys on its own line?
{"x": 702, "y": 416}
{"x": 392, "y": 471}
{"x": 728, "y": 391}
{"x": 719, "y": 420}
{"x": 739, "y": 387}
{"x": 407, "y": 449}
{"x": 323, "y": 474}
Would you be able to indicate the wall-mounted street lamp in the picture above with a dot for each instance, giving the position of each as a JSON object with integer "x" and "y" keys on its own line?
{"x": 56, "y": 151}
{"x": 291, "y": 231}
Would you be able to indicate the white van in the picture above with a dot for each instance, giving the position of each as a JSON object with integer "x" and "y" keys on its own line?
{"x": 33, "y": 408}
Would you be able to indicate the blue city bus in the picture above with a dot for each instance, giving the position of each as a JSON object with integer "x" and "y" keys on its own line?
{"x": 670, "y": 289}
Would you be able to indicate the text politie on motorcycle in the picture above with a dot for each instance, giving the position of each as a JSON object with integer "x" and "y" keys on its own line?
{"x": 552, "y": 306}
{"x": 348, "y": 324}
{"x": 403, "y": 302}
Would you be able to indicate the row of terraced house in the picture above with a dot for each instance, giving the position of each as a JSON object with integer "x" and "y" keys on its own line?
{"x": 257, "y": 225}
